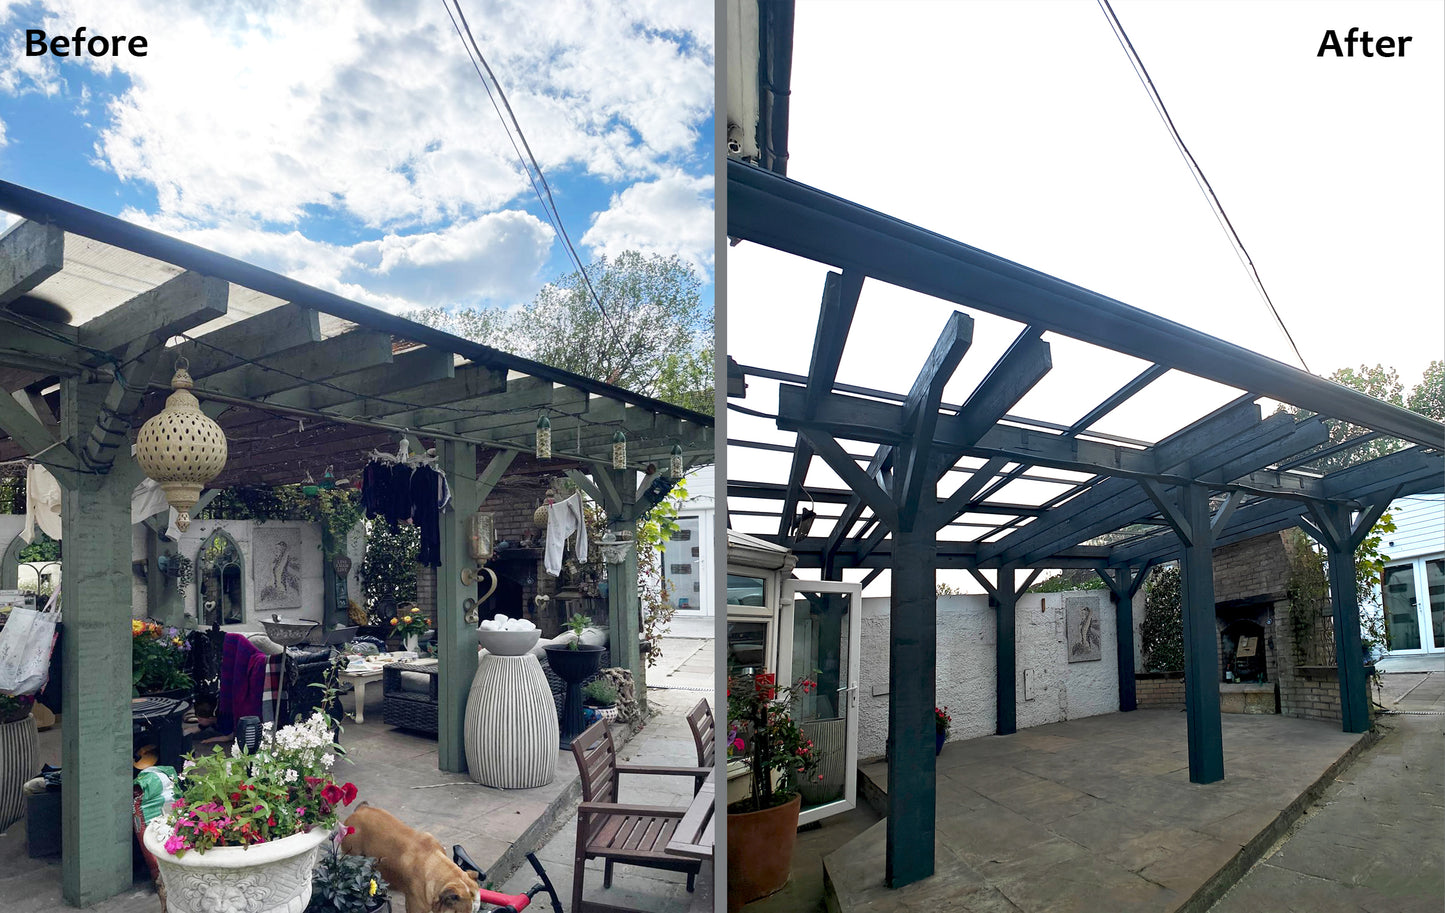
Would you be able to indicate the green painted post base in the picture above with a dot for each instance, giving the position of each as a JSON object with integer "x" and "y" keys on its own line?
{"x": 913, "y": 650}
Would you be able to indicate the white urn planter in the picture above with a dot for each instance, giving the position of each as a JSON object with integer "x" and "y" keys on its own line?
{"x": 510, "y": 733}
{"x": 272, "y": 877}
{"x": 412, "y": 643}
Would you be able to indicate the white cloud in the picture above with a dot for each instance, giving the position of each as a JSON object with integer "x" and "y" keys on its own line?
{"x": 494, "y": 258}
{"x": 262, "y": 112}
{"x": 672, "y": 215}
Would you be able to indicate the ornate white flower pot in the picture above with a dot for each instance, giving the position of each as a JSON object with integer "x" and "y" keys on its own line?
{"x": 412, "y": 643}
{"x": 272, "y": 877}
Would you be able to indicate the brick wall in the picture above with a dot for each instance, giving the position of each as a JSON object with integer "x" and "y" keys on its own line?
{"x": 1252, "y": 568}
{"x": 512, "y": 504}
{"x": 1159, "y": 690}
{"x": 1306, "y": 692}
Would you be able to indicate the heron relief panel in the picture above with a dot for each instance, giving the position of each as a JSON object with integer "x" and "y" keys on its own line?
{"x": 276, "y": 567}
{"x": 1082, "y": 628}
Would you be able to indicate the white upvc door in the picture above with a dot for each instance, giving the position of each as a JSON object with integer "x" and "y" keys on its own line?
{"x": 819, "y": 626}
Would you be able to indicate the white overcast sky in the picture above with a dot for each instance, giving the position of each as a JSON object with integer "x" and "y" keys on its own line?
{"x": 1021, "y": 128}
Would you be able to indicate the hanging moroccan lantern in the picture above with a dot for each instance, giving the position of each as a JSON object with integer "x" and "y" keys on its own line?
{"x": 619, "y": 450}
{"x": 674, "y": 464}
{"x": 181, "y": 448}
{"x": 544, "y": 438}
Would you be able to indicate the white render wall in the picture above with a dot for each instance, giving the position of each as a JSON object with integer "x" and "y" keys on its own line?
{"x": 1058, "y": 690}
{"x": 310, "y": 556}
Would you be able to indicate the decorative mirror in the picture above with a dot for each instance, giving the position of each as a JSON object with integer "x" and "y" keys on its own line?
{"x": 218, "y": 573}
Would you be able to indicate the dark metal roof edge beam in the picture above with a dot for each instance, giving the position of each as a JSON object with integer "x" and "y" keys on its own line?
{"x": 39, "y": 207}
{"x": 801, "y": 220}
{"x": 775, "y": 74}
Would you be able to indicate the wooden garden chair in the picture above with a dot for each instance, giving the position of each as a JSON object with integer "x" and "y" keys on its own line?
{"x": 618, "y": 832}
{"x": 704, "y": 733}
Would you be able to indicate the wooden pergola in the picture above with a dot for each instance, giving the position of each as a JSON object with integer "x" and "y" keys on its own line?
{"x": 97, "y": 311}
{"x": 925, "y": 481}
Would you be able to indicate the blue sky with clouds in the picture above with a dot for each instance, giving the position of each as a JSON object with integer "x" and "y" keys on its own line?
{"x": 352, "y": 146}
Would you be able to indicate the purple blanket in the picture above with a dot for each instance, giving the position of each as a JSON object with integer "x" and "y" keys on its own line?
{"x": 243, "y": 679}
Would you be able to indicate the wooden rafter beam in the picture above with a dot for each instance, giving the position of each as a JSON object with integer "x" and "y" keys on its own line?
{"x": 407, "y": 369}
{"x": 255, "y": 337}
{"x": 30, "y": 253}
{"x": 301, "y": 365}
{"x": 916, "y": 468}
{"x": 179, "y": 304}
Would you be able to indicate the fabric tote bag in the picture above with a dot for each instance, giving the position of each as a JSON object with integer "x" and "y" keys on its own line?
{"x": 25, "y": 645}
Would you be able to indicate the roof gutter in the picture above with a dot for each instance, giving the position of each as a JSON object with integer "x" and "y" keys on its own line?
{"x": 775, "y": 74}
{"x": 783, "y": 214}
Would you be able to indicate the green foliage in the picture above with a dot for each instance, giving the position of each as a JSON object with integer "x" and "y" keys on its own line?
{"x": 654, "y": 531}
{"x": 577, "y": 624}
{"x": 342, "y": 883}
{"x": 12, "y": 494}
{"x": 600, "y": 693}
{"x": 1429, "y": 397}
{"x": 657, "y": 339}
{"x": 945, "y": 589}
{"x": 41, "y": 549}
{"x": 158, "y": 658}
{"x": 335, "y": 510}
{"x": 1162, "y": 631}
{"x": 389, "y": 569}
{"x": 1309, "y": 599}
{"x": 1068, "y": 580}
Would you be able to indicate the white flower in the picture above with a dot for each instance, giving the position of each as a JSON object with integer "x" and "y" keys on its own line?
{"x": 291, "y": 776}
{"x": 327, "y": 760}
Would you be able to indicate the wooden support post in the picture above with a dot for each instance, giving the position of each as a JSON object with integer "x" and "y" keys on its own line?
{"x": 1334, "y": 531}
{"x": 913, "y": 651}
{"x": 1123, "y": 585}
{"x": 456, "y": 638}
{"x": 95, "y": 719}
{"x": 1201, "y": 641}
{"x": 1005, "y": 687}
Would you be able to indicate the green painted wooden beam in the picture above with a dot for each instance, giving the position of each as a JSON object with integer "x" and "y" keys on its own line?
{"x": 175, "y": 306}
{"x": 29, "y": 254}
{"x": 28, "y": 431}
{"x": 315, "y": 361}
{"x": 467, "y": 382}
{"x": 254, "y": 337}
{"x": 406, "y": 370}
{"x": 1201, "y": 642}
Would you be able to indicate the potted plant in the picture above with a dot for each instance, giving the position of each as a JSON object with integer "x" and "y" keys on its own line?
{"x": 343, "y": 883}
{"x": 15, "y": 707}
{"x": 574, "y": 663}
{"x": 410, "y": 624}
{"x": 157, "y": 661}
{"x": 245, "y": 832}
{"x": 601, "y": 696}
{"x": 763, "y": 827}
{"x": 942, "y": 719}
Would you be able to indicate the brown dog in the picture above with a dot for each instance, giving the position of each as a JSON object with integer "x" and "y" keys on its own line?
{"x": 412, "y": 862}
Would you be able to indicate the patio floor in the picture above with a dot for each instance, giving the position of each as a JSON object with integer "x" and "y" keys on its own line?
{"x": 1098, "y": 814}
{"x": 396, "y": 770}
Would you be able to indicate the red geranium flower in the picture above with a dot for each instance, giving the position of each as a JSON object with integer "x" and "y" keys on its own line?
{"x": 348, "y": 793}
{"x": 332, "y": 794}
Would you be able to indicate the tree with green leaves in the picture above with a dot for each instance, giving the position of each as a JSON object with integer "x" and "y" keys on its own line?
{"x": 656, "y": 337}
{"x": 1162, "y": 631}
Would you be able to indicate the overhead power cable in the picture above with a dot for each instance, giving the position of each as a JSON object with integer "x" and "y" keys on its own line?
{"x": 524, "y": 154}
{"x": 1199, "y": 178}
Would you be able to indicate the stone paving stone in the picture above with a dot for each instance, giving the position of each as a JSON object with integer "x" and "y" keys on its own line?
{"x": 1095, "y": 814}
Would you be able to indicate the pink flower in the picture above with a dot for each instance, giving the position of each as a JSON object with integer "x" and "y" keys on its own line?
{"x": 175, "y": 843}
{"x": 300, "y": 811}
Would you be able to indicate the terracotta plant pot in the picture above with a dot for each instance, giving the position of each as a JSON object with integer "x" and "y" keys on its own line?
{"x": 760, "y": 851}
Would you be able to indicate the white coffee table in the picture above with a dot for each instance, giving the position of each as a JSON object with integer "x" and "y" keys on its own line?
{"x": 358, "y": 681}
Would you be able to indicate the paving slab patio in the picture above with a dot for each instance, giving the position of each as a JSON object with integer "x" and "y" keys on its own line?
{"x": 1097, "y": 814}
{"x": 1376, "y": 839}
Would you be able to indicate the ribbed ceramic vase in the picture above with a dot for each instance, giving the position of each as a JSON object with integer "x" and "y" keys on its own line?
{"x": 18, "y": 743}
{"x": 511, "y": 727}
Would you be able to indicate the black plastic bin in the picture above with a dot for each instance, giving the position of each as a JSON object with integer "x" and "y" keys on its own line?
{"x": 42, "y": 823}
